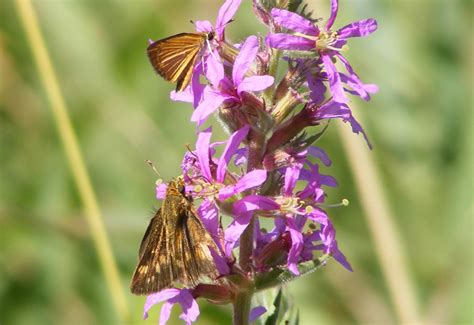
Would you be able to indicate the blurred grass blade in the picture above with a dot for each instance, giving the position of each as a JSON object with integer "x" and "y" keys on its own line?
{"x": 71, "y": 147}
{"x": 385, "y": 236}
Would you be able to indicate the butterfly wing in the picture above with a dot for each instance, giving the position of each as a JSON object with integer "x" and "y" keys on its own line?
{"x": 193, "y": 257}
{"x": 153, "y": 272}
{"x": 175, "y": 248}
{"x": 174, "y": 57}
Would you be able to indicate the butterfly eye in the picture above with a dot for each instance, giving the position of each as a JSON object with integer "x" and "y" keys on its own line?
{"x": 210, "y": 36}
{"x": 182, "y": 189}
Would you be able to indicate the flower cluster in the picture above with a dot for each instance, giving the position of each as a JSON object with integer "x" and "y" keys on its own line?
{"x": 268, "y": 168}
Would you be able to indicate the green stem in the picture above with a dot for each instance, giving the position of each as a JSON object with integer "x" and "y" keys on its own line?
{"x": 242, "y": 306}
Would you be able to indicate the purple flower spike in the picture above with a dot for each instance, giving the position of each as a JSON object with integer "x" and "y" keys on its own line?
{"x": 266, "y": 172}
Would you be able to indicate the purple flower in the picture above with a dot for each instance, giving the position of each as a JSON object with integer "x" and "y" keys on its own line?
{"x": 327, "y": 43}
{"x": 329, "y": 243}
{"x": 214, "y": 183}
{"x": 296, "y": 209}
{"x": 225, "y": 15}
{"x": 333, "y": 109}
{"x": 183, "y": 297}
{"x": 211, "y": 177}
{"x": 229, "y": 90}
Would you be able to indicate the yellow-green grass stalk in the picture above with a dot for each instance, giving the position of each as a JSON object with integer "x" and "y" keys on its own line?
{"x": 70, "y": 143}
{"x": 386, "y": 239}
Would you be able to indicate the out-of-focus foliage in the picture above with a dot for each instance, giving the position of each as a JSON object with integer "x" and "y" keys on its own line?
{"x": 420, "y": 124}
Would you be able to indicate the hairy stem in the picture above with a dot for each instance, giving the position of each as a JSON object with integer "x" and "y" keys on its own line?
{"x": 242, "y": 308}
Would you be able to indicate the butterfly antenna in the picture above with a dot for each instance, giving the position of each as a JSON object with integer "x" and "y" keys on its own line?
{"x": 210, "y": 50}
{"x": 187, "y": 146}
{"x": 150, "y": 163}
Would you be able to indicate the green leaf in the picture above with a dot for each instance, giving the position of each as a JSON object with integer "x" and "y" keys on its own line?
{"x": 280, "y": 307}
{"x": 271, "y": 320}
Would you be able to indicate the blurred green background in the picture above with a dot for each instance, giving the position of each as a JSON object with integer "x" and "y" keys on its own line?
{"x": 420, "y": 124}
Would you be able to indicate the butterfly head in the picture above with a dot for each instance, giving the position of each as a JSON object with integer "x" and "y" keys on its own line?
{"x": 211, "y": 35}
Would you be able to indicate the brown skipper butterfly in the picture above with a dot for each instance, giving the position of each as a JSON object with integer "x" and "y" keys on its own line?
{"x": 175, "y": 248}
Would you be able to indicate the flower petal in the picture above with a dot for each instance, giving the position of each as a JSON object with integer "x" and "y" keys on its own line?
{"x": 254, "y": 202}
{"x": 235, "y": 230}
{"x": 357, "y": 128}
{"x": 292, "y": 174}
{"x": 165, "y": 312}
{"x": 203, "y": 26}
{"x": 158, "y": 297}
{"x": 161, "y": 191}
{"x": 319, "y": 216}
{"x": 319, "y": 153}
{"x": 335, "y": 84}
{"x": 220, "y": 262}
{"x": 244, "y": 59}
{"x": 215, "y": 69}
{"x": 339, "y": 256}
{"x": 289, "y": 42}
{"x": 241, "y": 157}
{"x": 250, "y": 180}
{"x": 225, "y": 15}
{"x": 202, "y": 152}
{"x": 211, "y": 102}
{"x": 328, "y": 238}
{"x": 209, "y": 216}
{"x": 362, "y": 90}
{"x": 232, "y": 145}
{"x": 255, "y": 83}
{"x": 256, "y": 312}
{"x": 189, "y": 306}
{"x": 196, "y": 88}
{"x": 359, "y": 28}
{"x": 296, "y": 246}
{"x": 317, "y": 88}
{"x": 332, "y": 17}
{"x": 333, "y": 109}
{"x": 294, "y": 22}
{"x": 182, "y": 96}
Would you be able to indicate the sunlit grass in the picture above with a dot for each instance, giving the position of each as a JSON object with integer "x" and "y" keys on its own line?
{"x": 74, "y": 156}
